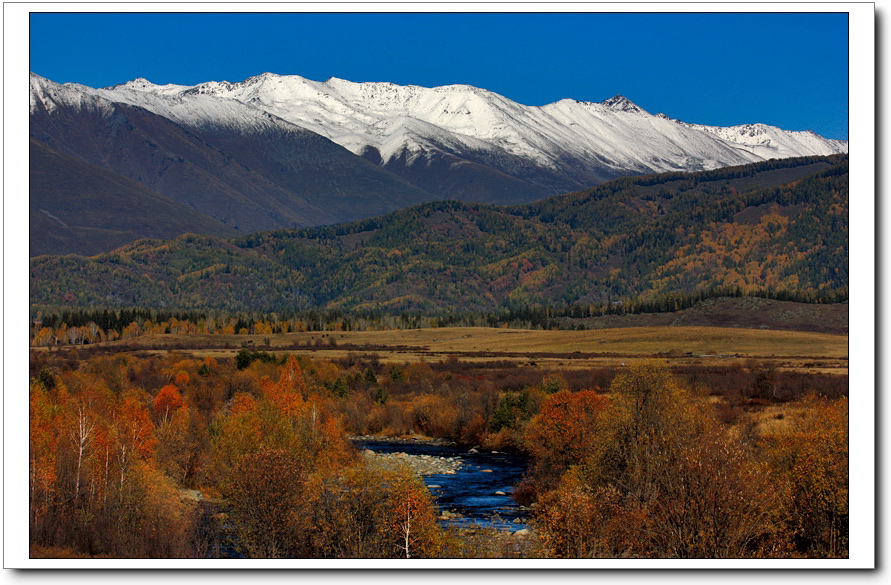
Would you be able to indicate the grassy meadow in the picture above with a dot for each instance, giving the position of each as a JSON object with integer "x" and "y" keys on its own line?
{"x": 807, "y": 351}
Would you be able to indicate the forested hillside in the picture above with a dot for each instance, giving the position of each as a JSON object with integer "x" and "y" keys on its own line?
{"x": 780, "y": 225}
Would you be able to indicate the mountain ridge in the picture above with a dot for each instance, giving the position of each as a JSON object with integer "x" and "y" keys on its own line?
{"x": 288, "y": 97}
{"x": 571, "y": 144}
{"x": 278, "y": 151}
{"x": 777, "y": 225}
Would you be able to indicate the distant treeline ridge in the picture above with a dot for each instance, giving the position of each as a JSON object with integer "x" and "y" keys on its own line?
{"x": 51, "y": 327}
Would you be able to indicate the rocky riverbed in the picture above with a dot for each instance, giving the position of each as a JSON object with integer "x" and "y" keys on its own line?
{"x": 418, "y": 464}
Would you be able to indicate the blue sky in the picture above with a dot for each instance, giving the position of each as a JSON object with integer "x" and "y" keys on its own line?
{"x": 787, "y": 70}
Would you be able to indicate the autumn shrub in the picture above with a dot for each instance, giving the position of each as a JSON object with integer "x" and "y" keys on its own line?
{"x": 370, "y": 512}
{"x": 434, "y": 415}
{"x": 473, "y": 428}
{"x": 423, "y": 411}
{"x": 265, "y": 494}
{"x": 152, "y": 519}
{"x": 376, "y": 419}
{"x": 357, "y": 413}
{"x": 810, "y": 460}
{"x": 712, "y": 500}
{"x": 578, "y": 520}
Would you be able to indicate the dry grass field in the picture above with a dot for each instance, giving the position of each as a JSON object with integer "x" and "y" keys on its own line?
{"x": 816, "y": 352}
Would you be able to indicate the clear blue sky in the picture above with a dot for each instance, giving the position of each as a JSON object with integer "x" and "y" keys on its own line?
{"x": 788, "y": 70}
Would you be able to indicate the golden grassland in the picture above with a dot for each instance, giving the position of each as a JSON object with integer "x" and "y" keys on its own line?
{"x": 815, "y": 352}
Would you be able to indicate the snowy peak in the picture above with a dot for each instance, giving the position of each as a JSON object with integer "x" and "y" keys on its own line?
{"x": 139, "y": 84}
{"x": 261, "y": 78}
{"x": 772, "y": 142}
{"x": 620, "y": 103}
{"x": 49, "y": 95}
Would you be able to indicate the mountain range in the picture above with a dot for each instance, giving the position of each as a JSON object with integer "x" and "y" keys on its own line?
{"x": 779, "y": 225}
{"x": 283, "y": 152}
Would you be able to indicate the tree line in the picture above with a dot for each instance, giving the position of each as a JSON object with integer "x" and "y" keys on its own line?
{"x": 82, "y": 327}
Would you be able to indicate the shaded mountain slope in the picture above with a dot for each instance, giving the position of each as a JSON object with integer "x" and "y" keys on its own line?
{"x": 79, "y": 208}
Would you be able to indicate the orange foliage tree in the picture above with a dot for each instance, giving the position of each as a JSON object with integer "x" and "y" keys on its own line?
{"x": 135, "y": 432}
{"x": 42, "y": 445}
{"x": 563, "y": 433}
{"x": 167, "y": 401}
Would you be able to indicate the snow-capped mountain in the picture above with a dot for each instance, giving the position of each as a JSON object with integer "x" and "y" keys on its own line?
{"x": 577, "y": 142}
{"x": 318, "y": 152}
{"x": 228, "y": 160}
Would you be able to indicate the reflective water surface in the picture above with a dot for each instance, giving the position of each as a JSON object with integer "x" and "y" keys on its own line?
{"x": 473, "y": 490}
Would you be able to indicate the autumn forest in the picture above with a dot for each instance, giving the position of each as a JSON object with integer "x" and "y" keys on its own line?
{"x": 638, "y": 461}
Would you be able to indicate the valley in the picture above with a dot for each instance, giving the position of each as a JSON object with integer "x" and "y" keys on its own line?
{"x": 627, "y": 333}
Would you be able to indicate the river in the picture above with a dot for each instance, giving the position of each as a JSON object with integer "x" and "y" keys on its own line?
{"x": 479, "y": 491}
